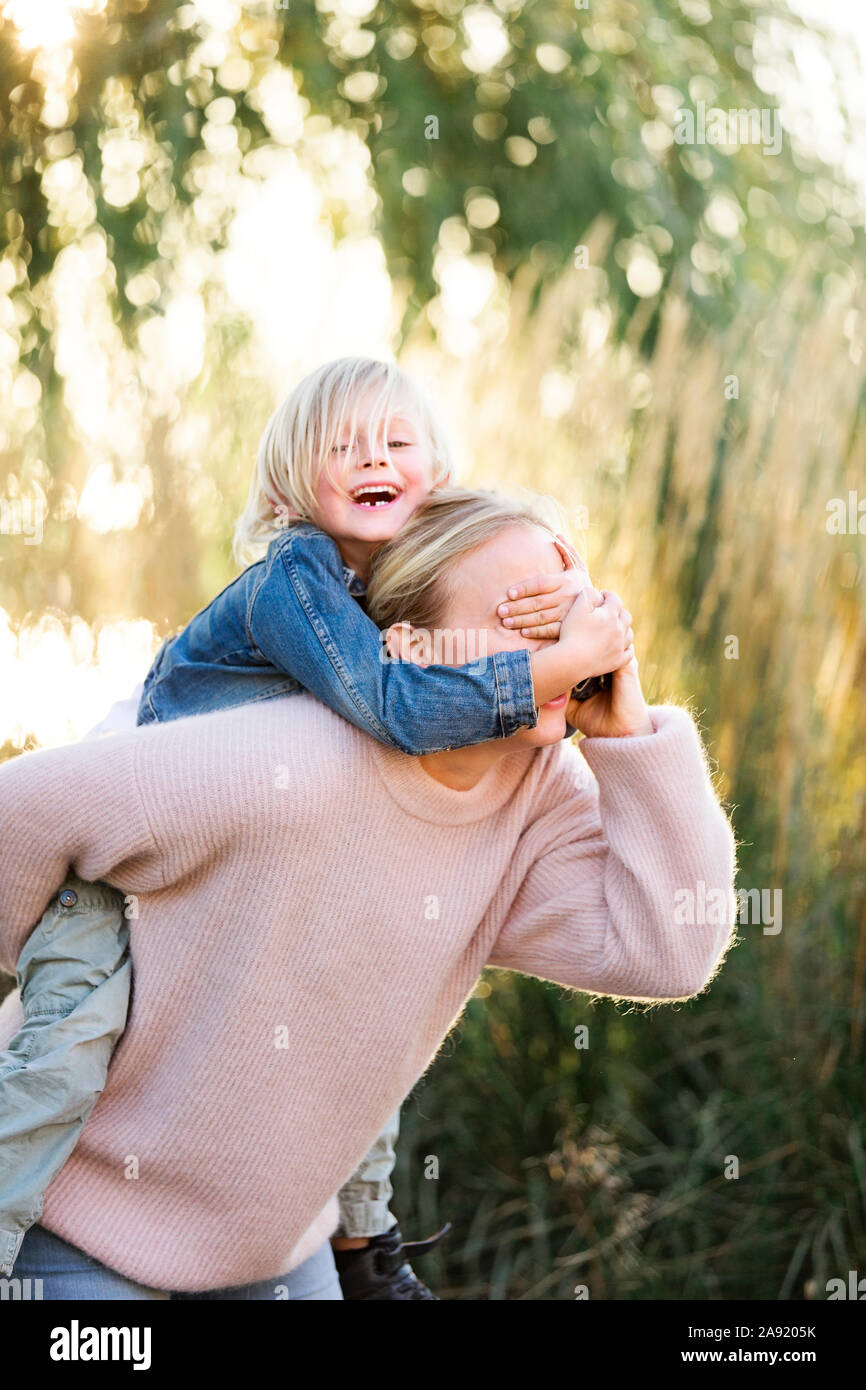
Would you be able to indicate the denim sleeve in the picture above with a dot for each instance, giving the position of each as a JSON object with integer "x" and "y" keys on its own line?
{"x": 304, "y": 621}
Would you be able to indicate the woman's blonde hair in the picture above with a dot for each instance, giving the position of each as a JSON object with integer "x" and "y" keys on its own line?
{"x": 298, "y": 438}
{"x": 410, "y": 574}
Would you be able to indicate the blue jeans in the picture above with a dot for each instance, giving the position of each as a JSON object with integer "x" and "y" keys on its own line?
{"x": 68, "y": 1273}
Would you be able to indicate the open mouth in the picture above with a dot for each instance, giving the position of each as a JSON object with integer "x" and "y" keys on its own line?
{"x": 372, "y": 495}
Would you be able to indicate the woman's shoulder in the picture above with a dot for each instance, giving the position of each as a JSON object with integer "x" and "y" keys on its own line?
{"x": 236, "y": 766}
{"x": 294, "y": 726}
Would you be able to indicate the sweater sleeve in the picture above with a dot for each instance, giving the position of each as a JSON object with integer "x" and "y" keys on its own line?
{"x": 630, "y": 893}
{"x": 76, "y": 807}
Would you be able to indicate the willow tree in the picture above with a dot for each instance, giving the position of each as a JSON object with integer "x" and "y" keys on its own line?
{"x": 500, "y": 129}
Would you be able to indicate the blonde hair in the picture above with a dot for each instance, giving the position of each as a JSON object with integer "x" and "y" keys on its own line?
{"x": 410, "y": 574}
{"x": 297, "y": 441}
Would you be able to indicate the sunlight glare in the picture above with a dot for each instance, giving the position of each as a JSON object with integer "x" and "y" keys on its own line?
{"x": 92, "y": 668}
{"x": 47, "y": 23}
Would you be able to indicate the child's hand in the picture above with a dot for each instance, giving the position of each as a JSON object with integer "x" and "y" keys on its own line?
{"x": 595, "y": 638}
{"x": 537, "y": 606}
{"x": 596, "y": 635}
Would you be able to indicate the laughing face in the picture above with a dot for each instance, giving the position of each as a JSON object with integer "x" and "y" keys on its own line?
{"x": 361, "y": 498}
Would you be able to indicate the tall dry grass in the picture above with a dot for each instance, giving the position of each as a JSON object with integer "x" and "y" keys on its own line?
{"x": 702, "y": 500}
{"x": 707, "y": 511}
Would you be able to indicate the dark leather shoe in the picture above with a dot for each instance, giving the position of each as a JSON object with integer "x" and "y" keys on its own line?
{"x": 379, "y": 1270}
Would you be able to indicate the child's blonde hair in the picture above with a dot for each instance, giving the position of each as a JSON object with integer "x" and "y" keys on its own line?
{"x": 298, "y": 438}
{"x": 410, "y": 574}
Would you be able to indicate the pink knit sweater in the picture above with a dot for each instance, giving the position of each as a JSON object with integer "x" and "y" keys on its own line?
{"x": 313, "y": 912}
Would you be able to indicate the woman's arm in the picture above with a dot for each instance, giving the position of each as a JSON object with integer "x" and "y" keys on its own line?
{"x": 630, "y": 893}
{"x": 305, "y": 622}
{"x": 76, "y": 807}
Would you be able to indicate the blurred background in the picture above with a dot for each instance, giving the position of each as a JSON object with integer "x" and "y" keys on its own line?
{"x": 654, "y": 313}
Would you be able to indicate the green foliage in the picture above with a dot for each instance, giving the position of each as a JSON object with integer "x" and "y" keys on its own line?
{"x": 573, "y": 119}
{"x": 707, "y": 512}
{"x": 606, "y": 1167}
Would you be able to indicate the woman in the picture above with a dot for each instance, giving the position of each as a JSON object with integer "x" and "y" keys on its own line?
{"x": 315, "y": 908}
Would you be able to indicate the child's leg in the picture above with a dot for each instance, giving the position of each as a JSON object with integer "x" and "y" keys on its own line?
{"x": 74, "y": 980}
{"x": 364, "y": 1198}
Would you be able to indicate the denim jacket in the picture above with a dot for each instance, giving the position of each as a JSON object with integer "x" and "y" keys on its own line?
{"x": 293, "y": 621}
{"x": 290, "y": 622}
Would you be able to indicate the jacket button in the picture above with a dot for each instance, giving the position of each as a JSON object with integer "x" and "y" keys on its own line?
{"x": 68, "y": 897}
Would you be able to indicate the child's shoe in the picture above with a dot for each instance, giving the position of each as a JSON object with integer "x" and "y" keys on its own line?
{"x": 379, "y": 1269}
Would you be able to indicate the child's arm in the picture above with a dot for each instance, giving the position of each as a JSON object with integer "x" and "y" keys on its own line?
{"x": 305, "y": 622}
